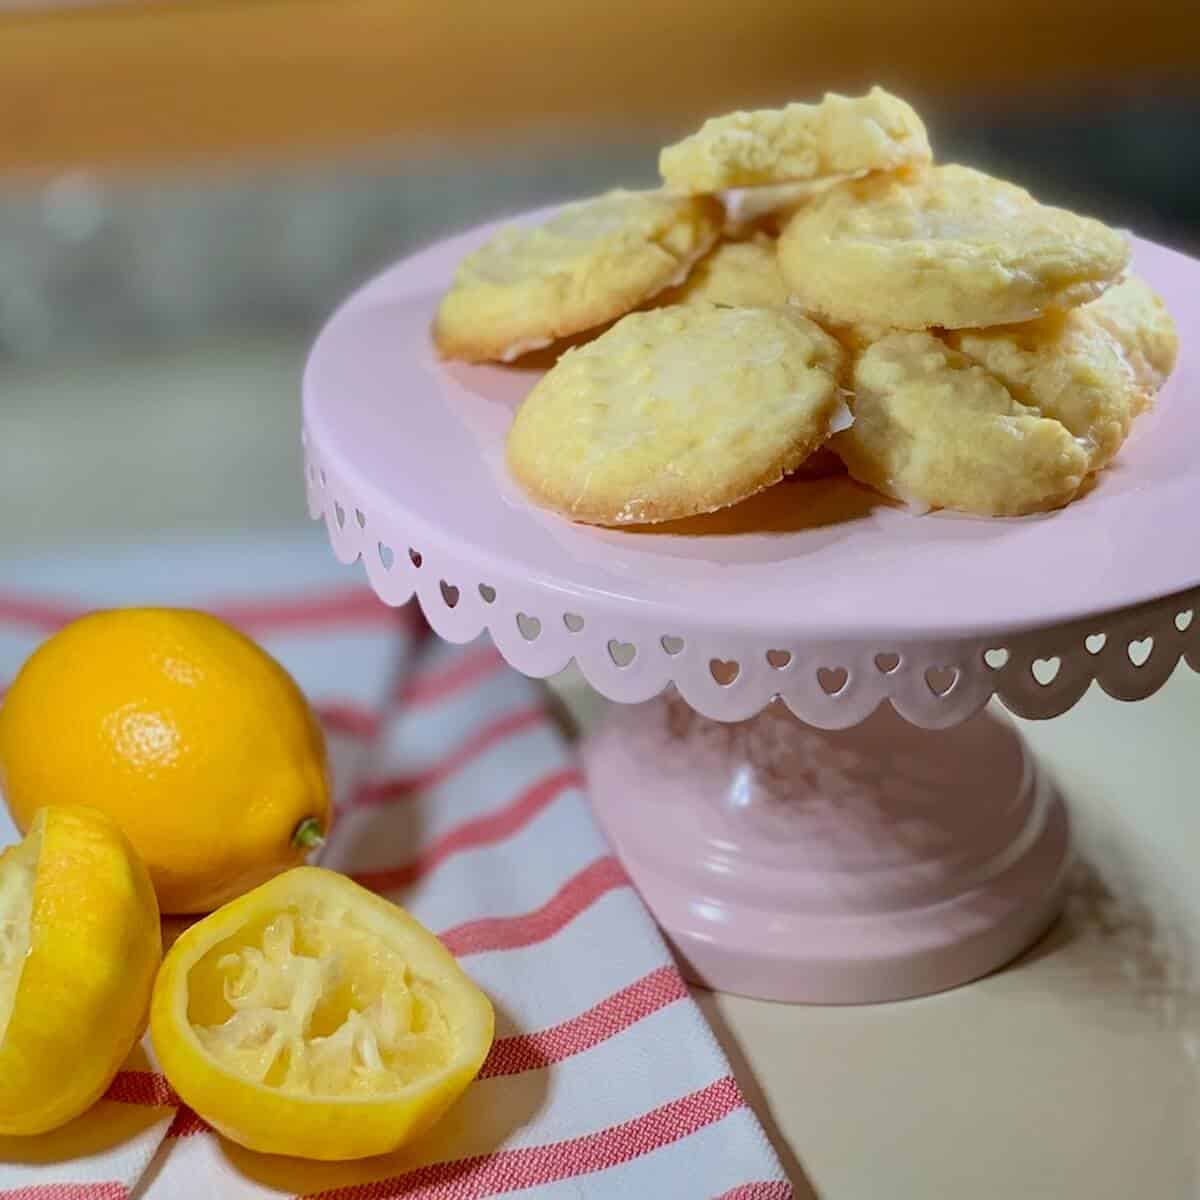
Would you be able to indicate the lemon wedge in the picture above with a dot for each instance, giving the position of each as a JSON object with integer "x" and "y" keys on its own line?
{"x": 80, "y": 942}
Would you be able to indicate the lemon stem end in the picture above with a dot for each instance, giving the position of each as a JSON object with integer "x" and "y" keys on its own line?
{"x": 309, "y": 835}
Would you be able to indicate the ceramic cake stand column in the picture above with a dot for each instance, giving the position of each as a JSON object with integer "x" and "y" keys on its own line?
{"x": 802, "y": 773}
{"x": 791, "y": 864}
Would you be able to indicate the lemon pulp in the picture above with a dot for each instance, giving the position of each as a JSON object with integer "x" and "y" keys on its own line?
{"x": 18, "y": 869}
{"x": 308, "y": 1000}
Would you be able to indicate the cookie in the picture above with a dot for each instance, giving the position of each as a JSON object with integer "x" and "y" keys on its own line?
{"x": 937, "y": 430}
{"x": 841, "y": 135}
{"x": 1135, "y": 315}
{"x": 767, "y": 209}
{"x": 949, "y": 247}
{"x": 592, "y": 262}
{"x": 1070, "y": 367}
{"x": 675, "y": 412}
{"x": 736, "y": 275}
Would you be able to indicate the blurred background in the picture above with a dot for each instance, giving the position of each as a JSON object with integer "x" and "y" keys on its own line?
{"x": 188, "y": 186}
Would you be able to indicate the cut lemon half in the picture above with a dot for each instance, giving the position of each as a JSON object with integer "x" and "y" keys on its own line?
{"x": 313, "y": 1018}
{"x": 79, "y": 945}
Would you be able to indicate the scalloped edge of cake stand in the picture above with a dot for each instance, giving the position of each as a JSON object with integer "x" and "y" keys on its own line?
{"x": 1129, "y": 653}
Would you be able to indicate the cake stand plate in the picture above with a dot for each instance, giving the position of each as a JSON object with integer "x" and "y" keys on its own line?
{"x": 850, "y": 855}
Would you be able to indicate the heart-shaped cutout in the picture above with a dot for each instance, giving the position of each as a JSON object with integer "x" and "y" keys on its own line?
{"x": 672, "y": 645}
{"x": 832, "y": 679}
{"x": 1140, "y": 650}
{"x": 622, "y": 653}
{"x": 941, "y": 680}
{"x": 361, "y": 518}
{"x": 996, "y": 658}
{"x": 724, "y": 671}
{"x": 1045, "y": 670}
{"x": 1183, "y": 620}
{"x": 1094, "y": 642}
{"x": 487, "y": 593}
{"x": 887, "y": 663}
{"x": 387, "y": 556}
{"x": 414, "y": 557}
{"x": 340, "y": 513}
{"x": 449, "y": 593}
{"x": 529, "y": 626}
{"x": 573, "y": 621}
{"x": 779, "y": 658}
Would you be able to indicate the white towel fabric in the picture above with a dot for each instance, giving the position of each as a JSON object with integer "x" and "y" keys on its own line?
{"x": 459, "y": 799}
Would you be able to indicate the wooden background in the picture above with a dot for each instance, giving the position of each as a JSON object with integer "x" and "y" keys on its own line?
{"x": 182, "y": 80}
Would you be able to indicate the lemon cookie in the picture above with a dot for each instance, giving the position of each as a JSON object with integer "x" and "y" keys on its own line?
{"x": 948, "y": 247}
{"x": 1135, "y": 315}
{"x": 766, "y": 209}
{"x": 590, "y": 263}
{"x": 675, "y": 412}
{"x": 935, "y": 429}
{"x": 841, "y": 135}
{"x": 1094, "y": 368}
{"x": 736, "y": 275}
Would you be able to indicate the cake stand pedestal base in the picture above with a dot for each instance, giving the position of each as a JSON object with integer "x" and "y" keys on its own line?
{"x": 789, "y": 863}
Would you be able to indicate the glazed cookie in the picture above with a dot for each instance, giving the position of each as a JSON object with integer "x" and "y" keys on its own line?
{"x": 949, "y": 247}
{"x": 936, "y": 430}
{"x": 841, "y": 135}
{"x": 1074, "y": 368}
{"x": 766, "y": 209}
{"x": 592, "y": 262}
{"x": 736, "y": 275}
{"x": 1135, "y": 315}
{"x": 675, "y": 412}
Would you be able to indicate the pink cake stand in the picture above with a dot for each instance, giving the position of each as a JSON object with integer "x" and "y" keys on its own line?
{"x": 802, "y": 777}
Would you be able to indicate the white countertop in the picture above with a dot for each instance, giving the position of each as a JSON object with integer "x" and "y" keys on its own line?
{"x": 1071, "y": 1075}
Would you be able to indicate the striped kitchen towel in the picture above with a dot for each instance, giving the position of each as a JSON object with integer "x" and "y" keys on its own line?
{"x": 459, "y": 799}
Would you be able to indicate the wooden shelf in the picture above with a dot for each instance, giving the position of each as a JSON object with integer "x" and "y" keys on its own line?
{"x": 178, "y": 80}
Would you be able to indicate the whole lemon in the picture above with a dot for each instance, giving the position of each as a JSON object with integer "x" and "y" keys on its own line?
{"x": 192, "y": 738}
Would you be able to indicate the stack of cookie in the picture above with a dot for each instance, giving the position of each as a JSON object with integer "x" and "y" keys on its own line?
{"x": 991, "y": 350}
